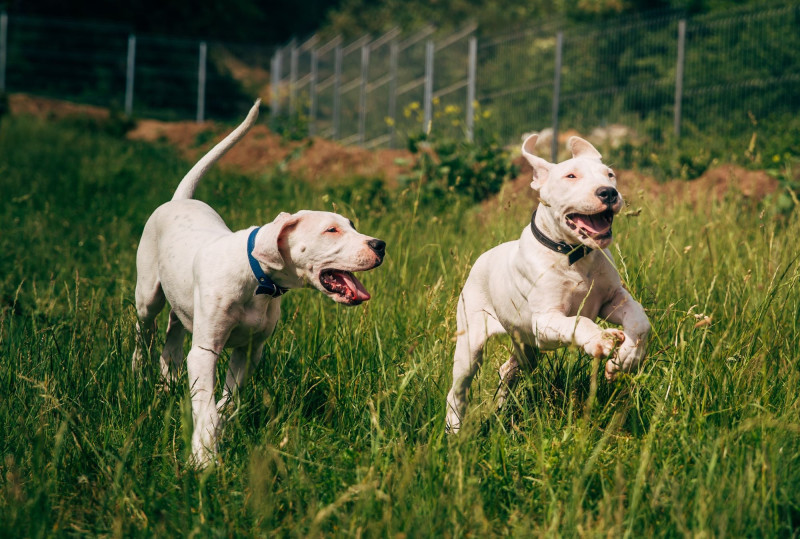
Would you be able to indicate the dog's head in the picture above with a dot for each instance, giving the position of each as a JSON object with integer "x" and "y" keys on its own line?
{"x": 579, "y": 196}
{"x": 321, "y": 250}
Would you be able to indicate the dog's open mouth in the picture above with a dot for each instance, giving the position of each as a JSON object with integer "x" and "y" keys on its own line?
{"x": 344, "y": 285}
{"x": 596, "y": 226}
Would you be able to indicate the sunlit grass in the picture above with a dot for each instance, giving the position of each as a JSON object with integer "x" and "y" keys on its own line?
{"x": 341, "y": 429}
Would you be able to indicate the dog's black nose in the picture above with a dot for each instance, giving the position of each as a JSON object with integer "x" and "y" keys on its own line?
{"x": 379, "y": 246}
{"x": 607, "y": 195}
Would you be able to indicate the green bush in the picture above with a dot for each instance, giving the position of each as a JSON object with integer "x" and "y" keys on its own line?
{"x": 449, "y": 167}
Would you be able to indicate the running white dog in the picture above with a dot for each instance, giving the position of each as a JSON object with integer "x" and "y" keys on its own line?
{"x": 225, "y": 286}
{"x": 546, "y": 289}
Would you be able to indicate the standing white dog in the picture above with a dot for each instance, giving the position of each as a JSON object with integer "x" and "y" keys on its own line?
{"x": 546, "y": 289}
{"x": 225, "y": 286}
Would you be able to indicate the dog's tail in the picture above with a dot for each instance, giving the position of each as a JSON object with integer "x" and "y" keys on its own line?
{"x": 189, "y": 182}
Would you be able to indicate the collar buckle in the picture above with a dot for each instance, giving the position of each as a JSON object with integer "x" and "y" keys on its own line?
{"x": 573, "y": 252}
{"x": 265, "y": 284}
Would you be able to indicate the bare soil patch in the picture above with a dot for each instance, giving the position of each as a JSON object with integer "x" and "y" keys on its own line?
{"x": 323, "y": 160}
{"x": 314, "y": 159}
{"x": 714, "y": 184}
{"x": 23, "y": 104}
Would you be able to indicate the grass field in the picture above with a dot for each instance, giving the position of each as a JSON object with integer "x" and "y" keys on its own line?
{"x": 341, "y": 430}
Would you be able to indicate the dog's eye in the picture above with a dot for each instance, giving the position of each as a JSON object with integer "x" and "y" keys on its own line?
{"x": 571, "y": 176}
{"x": 610, "y": 174}
{"x": 332, "y": 229}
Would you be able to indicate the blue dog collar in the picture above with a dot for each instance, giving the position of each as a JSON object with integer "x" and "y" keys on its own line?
{"x": 265, "y": 284}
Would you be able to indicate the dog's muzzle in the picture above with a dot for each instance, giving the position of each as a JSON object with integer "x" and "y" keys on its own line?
{"x": 378, "y": 247}
{"x": 607, "y": 195}
{"x": 344, "y": 286}
{"x": 596, "y": 226}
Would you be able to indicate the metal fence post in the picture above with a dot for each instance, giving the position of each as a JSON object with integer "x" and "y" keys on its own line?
{"x": 428, "y": 97}
{"x": 293, "y": 57}
{"x": 392, "y": 112}
{"x": 362, "y": 98}
{"x": 557, "y": 94}
{"x": 679, "y": 76}
{"x": 201, "y": 82}
{"x": 277, "y": 66}
{"x": 472, "y": 68}
{"x": 129, "y": 75}
{"x": 337, "y": 90}
{"x": 312, "y": 89}
{"x": 3, "y": 49}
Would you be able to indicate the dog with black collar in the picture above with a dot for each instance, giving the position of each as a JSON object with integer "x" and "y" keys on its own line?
{"x": 547, "y": 289}
{"x": 225, "y": 287}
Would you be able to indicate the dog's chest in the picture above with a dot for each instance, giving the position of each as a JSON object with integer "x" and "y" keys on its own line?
{"x": 256, "y": 318}
{"x": 261, "y": 313}
{"x": 253, "y": 319}
{"x": 582, "y": 295}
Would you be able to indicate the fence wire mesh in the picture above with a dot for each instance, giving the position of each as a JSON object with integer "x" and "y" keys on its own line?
{"x": 630, "y": 86}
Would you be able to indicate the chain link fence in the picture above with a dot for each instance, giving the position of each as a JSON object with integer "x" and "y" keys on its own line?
{"x": 636, "y": 84}
{"x": 106, "y": 65}
{"x": 633, "y": 85}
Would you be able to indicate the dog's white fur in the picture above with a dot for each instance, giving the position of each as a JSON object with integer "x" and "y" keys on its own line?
{"x": 530, "y": 292}
{"x": 190, "y": 258}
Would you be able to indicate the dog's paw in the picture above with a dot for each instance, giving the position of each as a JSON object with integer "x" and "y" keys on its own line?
{"x": 452, "y": 425}
{"x": 604, "y": 343}
{"x": 627, "y": 358}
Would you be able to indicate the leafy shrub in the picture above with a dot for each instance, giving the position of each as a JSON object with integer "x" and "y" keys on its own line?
{"x": 448, "y": 166}
{"x": 786, "y": 171}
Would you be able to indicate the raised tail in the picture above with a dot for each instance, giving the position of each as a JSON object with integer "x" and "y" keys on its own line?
{"x": 189, "y": 182}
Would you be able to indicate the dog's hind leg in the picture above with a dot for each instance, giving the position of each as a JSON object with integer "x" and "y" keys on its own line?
{"x": 510, "y": 371}
{"x": 150, "y": 300}
{"x": 509, "y": 376}
{"x": 241, "y": 365}
{"x": 474, "y": 329}
{"x": 172, "y": 355}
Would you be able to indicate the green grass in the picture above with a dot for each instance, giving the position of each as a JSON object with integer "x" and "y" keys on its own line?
{"x": 340, "y": 432}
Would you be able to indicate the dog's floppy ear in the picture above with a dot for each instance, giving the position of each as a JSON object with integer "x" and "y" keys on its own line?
{"x": 541, "y": 168}
{"x": 267, "y": 248}
{"x": 582, "y": 148}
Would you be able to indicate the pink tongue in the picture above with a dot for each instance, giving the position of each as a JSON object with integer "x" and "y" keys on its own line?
{"x": 354, "y": 287}
{"x": 595, "y": 224}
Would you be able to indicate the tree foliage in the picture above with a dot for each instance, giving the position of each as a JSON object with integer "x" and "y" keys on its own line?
{"x": 276, "y": 21}
{"x": 257, "y": 21}
{"x": 355, "y": 17}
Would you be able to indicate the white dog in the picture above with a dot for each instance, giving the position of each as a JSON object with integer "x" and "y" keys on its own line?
{"x": 546, "y": 289}
{"x": 225, "y": 286}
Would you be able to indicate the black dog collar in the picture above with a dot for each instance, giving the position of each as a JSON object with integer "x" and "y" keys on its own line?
{"x": 265, "y": 284}
{"x": 573, "y": 252}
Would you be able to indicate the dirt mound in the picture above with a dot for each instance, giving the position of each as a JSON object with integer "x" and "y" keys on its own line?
{"x": 716, "y": 183}
{"x": 322, "y": 160}
{"x": 314, "y": 159}
{"x": 52, "y": 108}
{"x": 258, "y": 150}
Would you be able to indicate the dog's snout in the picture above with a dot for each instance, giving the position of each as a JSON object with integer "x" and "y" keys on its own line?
{"x": 379, "y": 246}
{"x": 607, "y": 195}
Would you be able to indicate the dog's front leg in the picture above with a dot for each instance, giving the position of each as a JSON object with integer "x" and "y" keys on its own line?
{"x": 202, "y": 365}
{"x": 554, "y": 329}
{"x": 628, "y": 313}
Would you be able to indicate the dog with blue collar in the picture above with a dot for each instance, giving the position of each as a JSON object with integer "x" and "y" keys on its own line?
{"x": 225, "y": 287}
